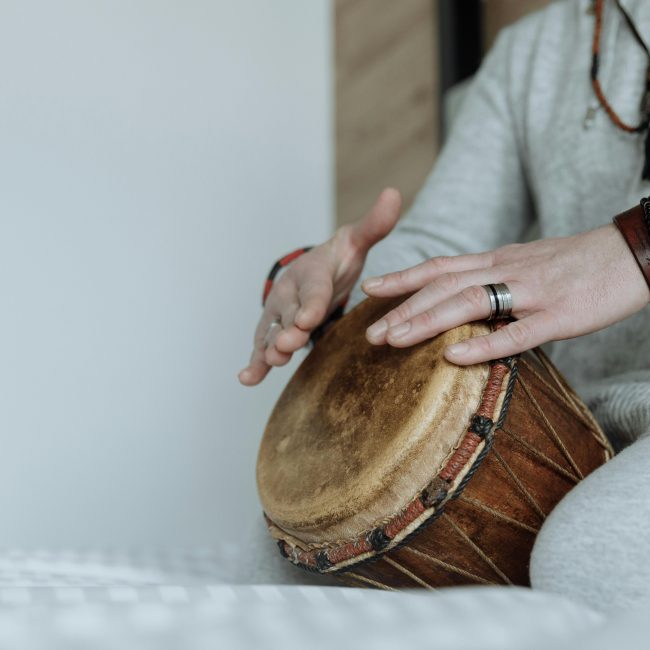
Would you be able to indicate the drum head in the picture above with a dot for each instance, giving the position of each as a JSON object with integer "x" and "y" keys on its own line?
{"x": 361, "y": 429}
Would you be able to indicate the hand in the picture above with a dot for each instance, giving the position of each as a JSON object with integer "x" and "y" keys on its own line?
{"x": 314, "y": 285}
{"x": 561, "y": 288}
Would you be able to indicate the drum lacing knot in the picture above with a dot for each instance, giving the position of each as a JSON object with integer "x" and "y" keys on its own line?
{"x": 434, "y": 493}
{"x": 378, "y": 539}
{"x": 481, "y": 425}
{"x": 505, "y": 361}
{"x": 322, "y": 561}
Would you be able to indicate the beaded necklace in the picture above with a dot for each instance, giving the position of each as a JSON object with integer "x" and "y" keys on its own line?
{"x": 645, "y": 102}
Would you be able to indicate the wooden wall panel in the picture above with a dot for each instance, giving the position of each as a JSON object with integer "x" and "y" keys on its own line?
{"x": 387, "y": 94}
{"x": 386, "y": 99}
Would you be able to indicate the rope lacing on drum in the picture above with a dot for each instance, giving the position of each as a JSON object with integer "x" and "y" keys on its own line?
{"x": 541, "y": 456}
{"x": 406, "y": 572}
{"x": 520, "y": 486}
{"x": 446, "y": 565}
{"x": 578, "y": 408}
{"x": 368, "y": 581}
{"x": 481, "y": 553}
{"x": 551, "y": 429}
{"x": 498, "y": 514}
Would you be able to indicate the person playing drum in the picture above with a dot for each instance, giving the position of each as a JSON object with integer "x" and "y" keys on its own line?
{"x": 550, "y": 136}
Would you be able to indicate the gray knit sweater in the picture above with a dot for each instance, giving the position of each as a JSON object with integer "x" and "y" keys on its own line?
{"x": 520, "y": 156}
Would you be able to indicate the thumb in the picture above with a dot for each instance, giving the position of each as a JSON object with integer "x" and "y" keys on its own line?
{"x": 379, "y": 221}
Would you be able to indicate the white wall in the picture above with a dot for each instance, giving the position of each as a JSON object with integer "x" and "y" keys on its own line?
{"x": 155, "y": 157}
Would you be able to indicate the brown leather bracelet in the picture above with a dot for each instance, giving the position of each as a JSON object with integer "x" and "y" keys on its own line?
{"x": 632, "y": 225}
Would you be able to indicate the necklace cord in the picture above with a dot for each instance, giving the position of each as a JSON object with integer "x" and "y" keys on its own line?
{"x": 598, "y": 90}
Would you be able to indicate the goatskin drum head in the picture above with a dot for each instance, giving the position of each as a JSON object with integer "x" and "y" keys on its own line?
{"x": 361, "y": 429}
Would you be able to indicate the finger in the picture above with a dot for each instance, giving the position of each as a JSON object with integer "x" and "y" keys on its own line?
{"x": 379, "y": 220}
{"x": 256, "y": 370}
{"x": 415, "y": 277}
{"x": 314, "y": 296}
{"x": 277, "y": 354}
{"x": 511, "y": 339}
{"x": 435, "y": 292}
{"x": 274, "y": 357}
{"x": 288, "y": 338}
{"x": 287, "y": 316}
{"x": 291, "y": 339}
{"x": 280, "y": 310}
{"x": 469, "y": 305}
{"x": 257, "y": 367}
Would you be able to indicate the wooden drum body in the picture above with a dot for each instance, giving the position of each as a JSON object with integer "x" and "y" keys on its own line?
{"x": 395, "y": 468}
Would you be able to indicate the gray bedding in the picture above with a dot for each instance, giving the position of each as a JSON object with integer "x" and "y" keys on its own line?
{"x": 150, "y": 598}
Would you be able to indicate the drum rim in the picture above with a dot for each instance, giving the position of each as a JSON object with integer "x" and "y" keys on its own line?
{"x": 428, "y": 504}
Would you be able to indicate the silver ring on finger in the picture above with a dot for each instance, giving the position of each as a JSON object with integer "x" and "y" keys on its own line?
{"x": 500, "y": 301}
{"x": 276, "y": 322}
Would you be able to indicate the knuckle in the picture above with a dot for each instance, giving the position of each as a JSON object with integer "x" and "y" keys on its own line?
{"x": 505, "y": 253}
{"x": 316, "y": 307}
{"x": 428, "y": 319}
{"x": 401, "y": 277}
{"x": 519, "y": 333}
{"x": 281, "y": 359}
{"x": 475, "y": 297}
{"x": 484, "y": 345}
{"x": 319, "y": 311}
{"x": 400, "y": 313}
{"x": 489, "y": 258}
{"x": 448, "y": 283}
{"x": 438, "y": 264}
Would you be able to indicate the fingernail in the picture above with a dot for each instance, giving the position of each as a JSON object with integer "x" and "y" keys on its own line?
{"x": 373, "y": 283}
{"x": 244, "y": 374}
{"x": 399, "y": 330}
{"x": 458, "y": 348}
{"x": 377, "y": 329}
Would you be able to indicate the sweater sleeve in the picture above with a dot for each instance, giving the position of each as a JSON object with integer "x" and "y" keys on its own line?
{"x": 476, "y": 197}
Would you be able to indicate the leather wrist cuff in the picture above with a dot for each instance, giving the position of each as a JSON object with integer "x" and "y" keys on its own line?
{"x": 634, "y": 228}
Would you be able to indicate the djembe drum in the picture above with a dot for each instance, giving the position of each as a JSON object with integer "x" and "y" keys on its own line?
{"x": 394, "y": 468}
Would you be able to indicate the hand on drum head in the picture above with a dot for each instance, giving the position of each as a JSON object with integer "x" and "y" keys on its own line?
{"x": 312, "y": 287}
{"x": 561, "y": 288}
